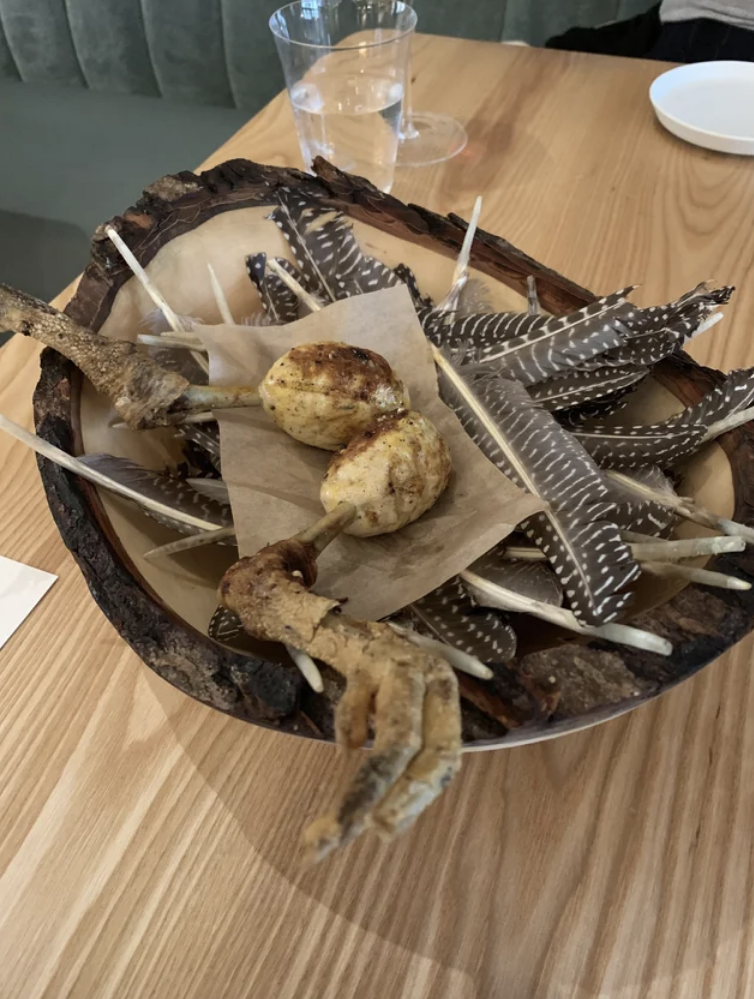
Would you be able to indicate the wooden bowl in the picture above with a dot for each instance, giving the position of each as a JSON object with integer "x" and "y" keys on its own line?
{"x": 162, "y": 608}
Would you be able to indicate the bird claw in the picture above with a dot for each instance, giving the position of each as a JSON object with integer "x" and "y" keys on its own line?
{"x": 410, "y": 693}
{"x": 416, "y": 752}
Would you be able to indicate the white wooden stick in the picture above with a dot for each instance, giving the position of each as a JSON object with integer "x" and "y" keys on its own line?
{"x": 457, "y": 658}
{"x": 173, "y": 320}
{"x": 489, "y": 594}
{"x": 222, "y": 301}
{"x": 461, "y": 270}
{"x": 532, "y": 298}
{"x": 655, "y": 550}
{"x": 669, "y": 551}
{"x": 68, "y": 461}
{"x": 290, "y": 282}
{"x": 199, "y": 540}
{"x": 692, "y": 574}
{"x": 308, "y": 668}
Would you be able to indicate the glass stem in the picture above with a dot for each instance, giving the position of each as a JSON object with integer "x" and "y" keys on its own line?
{"x": 408, "y": 131}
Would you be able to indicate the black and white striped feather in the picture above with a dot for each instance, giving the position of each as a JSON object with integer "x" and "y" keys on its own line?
{"x": 280, "y": 304}
{"x": 524, "y": 441}
{"x": 449, "y": 615}
{"x": 163, "y": 497}
{"x": 225, "y": 626}
{"x": 483, "y": 333}
{"x": 576, "y": 387}
{"x": 205, "y": 436}
{"x": 669, "y": 441}
{"x": 644, "y": 517}
{"x": 574, "y": 417}
{"x": 535, "y": 580}
{"x": 327, "y": 252}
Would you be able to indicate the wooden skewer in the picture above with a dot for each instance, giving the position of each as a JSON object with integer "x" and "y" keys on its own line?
{"x": 173, "y": 320}
{"x": 669, "y": 551}
{"x": 163, "y": 340}
{"x": 461, "y": 270}
{"x": 532, "y": 298}
{"x": 307, "y": 667}
{"x": 222, "y": 301}
{"x": 656, "y": 550}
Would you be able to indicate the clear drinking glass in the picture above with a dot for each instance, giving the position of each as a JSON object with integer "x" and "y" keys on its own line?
{"x": 346, "y": 66}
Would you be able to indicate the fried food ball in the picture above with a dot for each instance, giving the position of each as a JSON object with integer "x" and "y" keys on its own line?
{"x": 324, "y": 394}
{"x": 392, "y": 473}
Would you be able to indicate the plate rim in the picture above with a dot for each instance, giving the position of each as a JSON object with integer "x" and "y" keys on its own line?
{"x": 689, "y": 70}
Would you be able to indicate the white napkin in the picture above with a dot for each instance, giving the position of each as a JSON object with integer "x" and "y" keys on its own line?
{"x": 21, "y": 589}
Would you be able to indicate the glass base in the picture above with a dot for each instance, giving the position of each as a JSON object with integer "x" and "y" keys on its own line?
{"x": 429, "y": 138}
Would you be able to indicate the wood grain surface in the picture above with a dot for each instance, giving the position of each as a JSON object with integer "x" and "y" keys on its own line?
{"x": 149, "y": 846}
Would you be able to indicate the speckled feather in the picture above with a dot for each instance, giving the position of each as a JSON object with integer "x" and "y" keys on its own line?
{"x": 669, "y": 441}
{"x": 206, "y": 436}
{"x": 280, "y": 304}
{"x": 531, "y": 348}
{"x": 535, "y": 580}
{"x": 165, "y": 489}
{"x": 327, "y": 252}
{"x": 583, "y": 546}
{"x": 449, "y": 614}
{"x": 225, "y": 626}
{"x": 576, "y": 387}
{"x": 644, "y": 517}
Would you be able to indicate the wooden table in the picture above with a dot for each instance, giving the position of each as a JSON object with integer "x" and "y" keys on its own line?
{"x": 149, "y": 846}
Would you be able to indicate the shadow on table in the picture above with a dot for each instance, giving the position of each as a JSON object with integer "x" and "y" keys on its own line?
{"x": 572, "y": 861}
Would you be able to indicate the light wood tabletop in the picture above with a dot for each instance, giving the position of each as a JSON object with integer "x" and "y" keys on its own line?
{"x": 149, "y": 846}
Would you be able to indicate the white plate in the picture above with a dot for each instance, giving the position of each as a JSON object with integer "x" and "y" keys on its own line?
{"x": 708, "y": 103}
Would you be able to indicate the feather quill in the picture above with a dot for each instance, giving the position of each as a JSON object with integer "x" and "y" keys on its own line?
{"x": 159, "y": 495}
{"x": 526, "y": 443}
{"x": 188, "y": 507}
{"x": 649, "y": 483}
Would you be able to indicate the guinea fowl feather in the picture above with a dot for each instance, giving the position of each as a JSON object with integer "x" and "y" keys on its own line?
{"x": 535, "y": 580}
{"x": 185, "y": 509}
{"x": 450, "y": 615}
{"x": 159, "y": 495}
{"x": 576, "y": 387}
{"x": 527, "y": 444}
{"x": 669, "y": 441}
{"x": 326, "y": 251}
{"x": 280, "y": 304}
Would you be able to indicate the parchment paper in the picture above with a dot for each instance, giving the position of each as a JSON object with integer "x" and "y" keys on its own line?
{"x": 274, "y": 480}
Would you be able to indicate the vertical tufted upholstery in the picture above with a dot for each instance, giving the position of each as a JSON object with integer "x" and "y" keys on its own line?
{"x": 220, "y": 51}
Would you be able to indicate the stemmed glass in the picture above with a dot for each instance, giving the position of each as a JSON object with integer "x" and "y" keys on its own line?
{"x": 427, "y": 137}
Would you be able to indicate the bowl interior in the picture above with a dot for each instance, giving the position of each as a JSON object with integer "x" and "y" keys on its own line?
{"x": 186, "y": 584}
